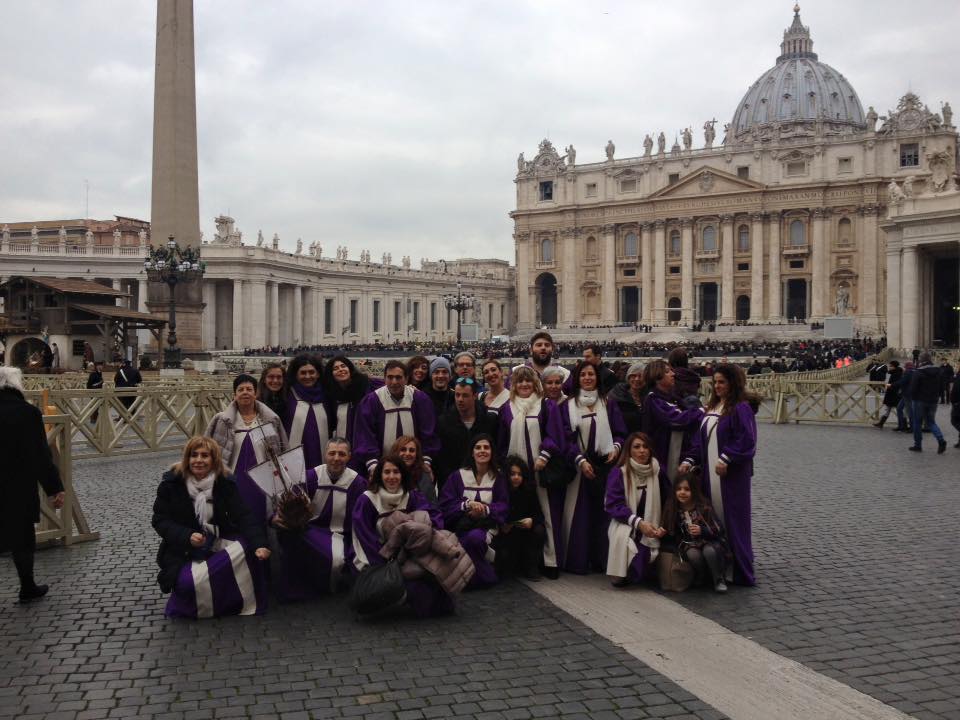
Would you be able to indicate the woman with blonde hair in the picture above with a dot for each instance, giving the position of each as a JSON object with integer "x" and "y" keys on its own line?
{"x": 211, "y": 546}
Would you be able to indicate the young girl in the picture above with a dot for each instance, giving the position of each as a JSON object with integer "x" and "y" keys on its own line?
{"x": 519, "y": 544}
{"x": 700, "y": 539}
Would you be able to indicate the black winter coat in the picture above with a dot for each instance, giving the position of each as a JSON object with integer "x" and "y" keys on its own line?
{"x": 955, "y": 392}
{"x": 632, "y": 411}
{"x": 925, "y": 384}
{"x": 891, "y": 397}
{"x": 175, "y": 521}
{"x": 524, "y": 504}
{"x": 26, "y": 462}
{"x": 455, "y": 438}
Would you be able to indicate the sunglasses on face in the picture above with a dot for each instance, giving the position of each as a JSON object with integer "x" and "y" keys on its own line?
{"x": 465, "y": 381}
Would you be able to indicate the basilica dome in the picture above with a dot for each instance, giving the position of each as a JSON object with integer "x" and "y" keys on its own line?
{"x": 796, "y": 94}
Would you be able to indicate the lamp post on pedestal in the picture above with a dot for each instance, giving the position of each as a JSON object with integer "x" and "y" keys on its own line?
{"x": 458, "y": 303}
{"x": 172, "y": 266}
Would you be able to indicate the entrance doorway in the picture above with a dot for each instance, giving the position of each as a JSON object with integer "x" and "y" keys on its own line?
{"x": 547, "y": 300}
{"x": 630, "y": 312}
{"x": 708, "y": 302}
{"x": 797, "y": 299}
{"x": 743, "y": 308}
{"x": 946, "y": 300}
{"x": 673, "y": 310}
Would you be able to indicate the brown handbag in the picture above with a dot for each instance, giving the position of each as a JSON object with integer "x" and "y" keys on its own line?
{"x": 676, "y": 574}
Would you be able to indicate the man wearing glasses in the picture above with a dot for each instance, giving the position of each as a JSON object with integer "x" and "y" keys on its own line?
{"x": 467, "y": 419}
{"x": 465, "y": 365}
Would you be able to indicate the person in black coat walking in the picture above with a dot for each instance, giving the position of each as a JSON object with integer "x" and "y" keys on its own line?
{"x": 26, "y": 461}
{"x": 924, "y": 391}
{"x": 891, "y": 395}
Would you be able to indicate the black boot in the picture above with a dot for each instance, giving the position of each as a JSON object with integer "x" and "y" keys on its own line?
{"x": 28, "y": 594}
{"x": 881, "y": 421}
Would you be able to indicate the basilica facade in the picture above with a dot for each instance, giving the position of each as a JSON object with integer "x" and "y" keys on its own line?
{"x": 782, "y": 218}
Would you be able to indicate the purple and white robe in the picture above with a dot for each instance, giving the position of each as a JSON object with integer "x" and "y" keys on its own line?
{"x": 630, "y": 499}
{"x": 250, "y": 449}
{"x": 381, "y": 419}
{"x": 461, "y": 487}
{"x": 308, "y": 423}
{"x": 669, "y": 428}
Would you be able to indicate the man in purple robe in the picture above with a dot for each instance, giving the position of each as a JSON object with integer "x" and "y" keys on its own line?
{"x": 394, "y": 410}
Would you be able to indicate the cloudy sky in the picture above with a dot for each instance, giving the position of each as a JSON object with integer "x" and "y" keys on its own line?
{"x": 395, "y": 126}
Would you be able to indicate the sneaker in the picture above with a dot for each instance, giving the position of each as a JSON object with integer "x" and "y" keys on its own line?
{"x": 721, "y": 586}
{"x": 620, "y": 582}
{"x": 34, "y": 593}
{"x": 915, "y": 448}
{"x": 942, "y": 447}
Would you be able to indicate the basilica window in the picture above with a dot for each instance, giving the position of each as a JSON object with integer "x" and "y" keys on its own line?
{"x": 396, "y": 316}
{"x": 630, "y": 245}
{"x": 909, "y": 155}
{"x": 798, "y": 234}
{"x": 844, "y": 232}
{"x": 628, "y": 186}
{"x": 546, "y": 190}
{"x": 328, "y": 316}
{"x": 433, "y": 316}
{"x": 629, "y": 272}
{"x": 376, "y": 316}
{"x": 674, "y": 248}
{"x": 845, "y": 165}
{"x": 743, "y": 172}
{"x": 590, "y": 190}
{"x": 709, "y": 240}
{"x": 354, "y": 311}
{"x": 673, "y": 178}
{"x": 796, "y": 167}
{"x": 546, "y": 250}
{"x": 591, "y": 248}
{"x": 743, "y": 239}
{"x": 415, "y": 325}
{"x": 743, "y": 267}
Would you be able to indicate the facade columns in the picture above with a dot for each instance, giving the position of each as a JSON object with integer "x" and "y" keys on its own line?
{"x": 273, "y": 314}
{"x": 298, "y": 333}
{"x": 727, "y": 283}
{"x": 208, "y": 328}
{"x": 314, "y": 317}
{"x": 609, "y": 295}
{"x": 774, "y": 303}
{"x": 659, "y": 304}
{"x": 568, "y": 312}
{"x": 646, "y": 273}
{"x": 525, "y": 308}
{"x": 909, "y": 298}
{"x": 237, "y": 329}
{"x": 818, "y": 258}
{"x": 756, "y": 269}
{"x": 686, "y": 271}
{"x": 255, "y": 302}
{"x": 869, "y": 277}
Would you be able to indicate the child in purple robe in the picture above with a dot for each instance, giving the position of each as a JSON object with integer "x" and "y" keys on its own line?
{"x": 693, "y": 527}
{"x": 724, "y": 447}
{"x": 595, "y": 433}
{"x": 307, "y": 420}
{"x": 389, "y": 490}
{"x": 318, "y": 560}
{"x": 474, "y": 503}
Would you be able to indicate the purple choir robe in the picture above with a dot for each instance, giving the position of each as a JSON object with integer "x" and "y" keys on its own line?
{"x": 618, "y": 511}
{"x": 344, "y": 413}
{"x": 317, "y": 422}
{"x": 316, "y": 561}
{"x": 552, "y": 442}
{"x": 462, "y": 486}
{"x": 370, "y": 428}
{"x": 585, "y": 521}
{"x": 735, "y": 438}
{"x": 425, "y": 596}
{"x": 665, "y": 422}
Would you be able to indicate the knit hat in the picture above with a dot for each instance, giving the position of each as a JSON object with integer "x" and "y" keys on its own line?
{"x": 439, "y": 362}
{"x": 635, "y": 369}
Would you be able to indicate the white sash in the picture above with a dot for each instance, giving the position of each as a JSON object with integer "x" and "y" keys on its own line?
{"x": 256, "y": 439}
{"x": 203, "y": 589}
{"x": 397, "y": 416}
{"x": 474, "y": 491}
{"x": 709, "y": 425}
{"x": 343, "y": 412}
{"x": 300, "y": 422}
{"x": 580, "y": 421}
{"x": 497, "y": 401}
{"x": 338, "y": 490}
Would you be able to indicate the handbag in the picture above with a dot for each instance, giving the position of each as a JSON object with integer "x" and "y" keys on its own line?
{"x": 557, "y": 474}
{"x": 675, "y": 574}
{"x": 378, "y": 588}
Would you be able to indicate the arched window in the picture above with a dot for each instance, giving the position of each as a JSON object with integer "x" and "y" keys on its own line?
{"x": 591, "y": 248}
{"x": 674, "y": 248}
{"x": 845, "y": 231}
{"x": 743, "y": 238}
{"x": 709, "y": 239}
{"x": 630, "y": 245}
{"x": 546, "y": 250}
{"x": 798, "y": 233}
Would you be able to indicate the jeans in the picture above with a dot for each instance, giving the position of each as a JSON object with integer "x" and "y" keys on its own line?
{"x": 955, "y": 416}
{"x": 902, "y": 411}
{"x": 924, "y": 414}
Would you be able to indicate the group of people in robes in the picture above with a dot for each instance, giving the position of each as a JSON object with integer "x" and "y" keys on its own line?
{"x": 592, "y": 475}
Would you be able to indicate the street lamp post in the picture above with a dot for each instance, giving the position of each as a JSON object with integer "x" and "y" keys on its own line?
{"x": 172, "y": 266}
{"x": 458, "y": 303}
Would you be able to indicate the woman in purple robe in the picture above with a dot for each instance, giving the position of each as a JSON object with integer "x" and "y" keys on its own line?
{"x": 666, "y": 423}
{"x": 244, "y": 431}
{"x": 272, "y": 388}
{"x": 475, "y": 501}
{"x": 595, "y": 433}
{"x": 346, "y": 387}
{"x": 724, "y": 448}
{"x": 212, "y": 549}
{"x": 391, "y": 489}
{"x": 318, "y": 560}
{"x": 307, "y": 421}
{"x": 530, "y": 427}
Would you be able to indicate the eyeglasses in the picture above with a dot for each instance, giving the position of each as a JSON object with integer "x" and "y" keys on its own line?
{"x": 465, "y": 381}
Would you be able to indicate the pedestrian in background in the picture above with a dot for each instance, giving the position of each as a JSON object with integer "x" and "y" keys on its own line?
{"x": 924, "y": 390}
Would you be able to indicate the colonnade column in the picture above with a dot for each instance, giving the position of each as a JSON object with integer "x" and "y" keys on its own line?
{"x": 525, "y": 306}
{"x": 314, "y": 317}
{"x": 609, "y": 295}
{"x": 237, "y": 329}
{"x": 727, "y": 292}
{"x": 646, "y": 273}
{"x": 273, "y": 318}
{"x": 659, "y": 303}
{"x": 255, "y": 304}
{"x": 568, "y": 312}
{"x": 910, "y": 298}
{"x": 894, "y": 303}
{"x": 868, "y": 305}
{"x": 756, "y": 269}
{"x": 298, "y": 334}
{"x": 209, "y": 316}
{"x": 686, "y": 271}
{"x": 774, "y": 302}
{"x": 818, "y": 252}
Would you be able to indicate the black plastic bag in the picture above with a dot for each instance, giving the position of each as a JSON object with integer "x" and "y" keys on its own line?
{"x": 378, "y": 588}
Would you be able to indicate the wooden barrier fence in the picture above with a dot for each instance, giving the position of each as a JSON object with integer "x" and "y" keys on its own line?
{"x": 67, "y": 525}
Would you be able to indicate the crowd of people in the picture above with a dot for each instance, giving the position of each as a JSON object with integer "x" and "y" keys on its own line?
{"x": 460, "y": 471}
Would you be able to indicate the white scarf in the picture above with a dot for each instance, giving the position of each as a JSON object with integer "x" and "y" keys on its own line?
{"x": 524, "y": 426}
{"x": 497, "y": 401}
{"x": 201, "y": 492}
{"x": 397, "y": 416}
{"x": 580, "y": 413}
{"x": 386, "y": 502}
{"x": 636, "y": 478}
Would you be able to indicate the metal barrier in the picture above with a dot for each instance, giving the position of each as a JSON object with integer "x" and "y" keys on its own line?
{"x": 69, "y": 524}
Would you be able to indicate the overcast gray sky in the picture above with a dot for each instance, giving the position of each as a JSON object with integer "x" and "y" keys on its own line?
{"x": 395, "y": 126}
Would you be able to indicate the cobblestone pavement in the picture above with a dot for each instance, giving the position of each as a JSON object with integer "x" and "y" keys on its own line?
{"x": 100, "y": 647}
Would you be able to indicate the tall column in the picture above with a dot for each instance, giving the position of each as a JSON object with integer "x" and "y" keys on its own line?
{"x": 658, "y": 307}
{"x": 175, "y": 205}
{"x": 646, "y": 272}
{"x": 774, "y": 302}
{"x": 609, "y": 295}
{"x": 273, "y": 316}
{"x": 525, "y": 304}
{"x": 756, "y": 269}
{"x": 298, "y": 334}
{"x": 209, "y": 317}
{"x": 910, "y": 298}
{"x": 238, "y": 315}
{"x": 727, "y": 283}
{"x": 569, "y": 275}
{"x": 255, "y": 302}
{"x": 818, "y": 253}
{"x": 869, "y": 279}
{"x": 894, "y": 301}
{"x": 686, "y": 271}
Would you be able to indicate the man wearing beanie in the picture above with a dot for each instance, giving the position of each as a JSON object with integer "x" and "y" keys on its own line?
{"x": 439, "y": 389}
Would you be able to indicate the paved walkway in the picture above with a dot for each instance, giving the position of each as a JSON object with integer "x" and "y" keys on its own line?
{"x": 857, "y": 584}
